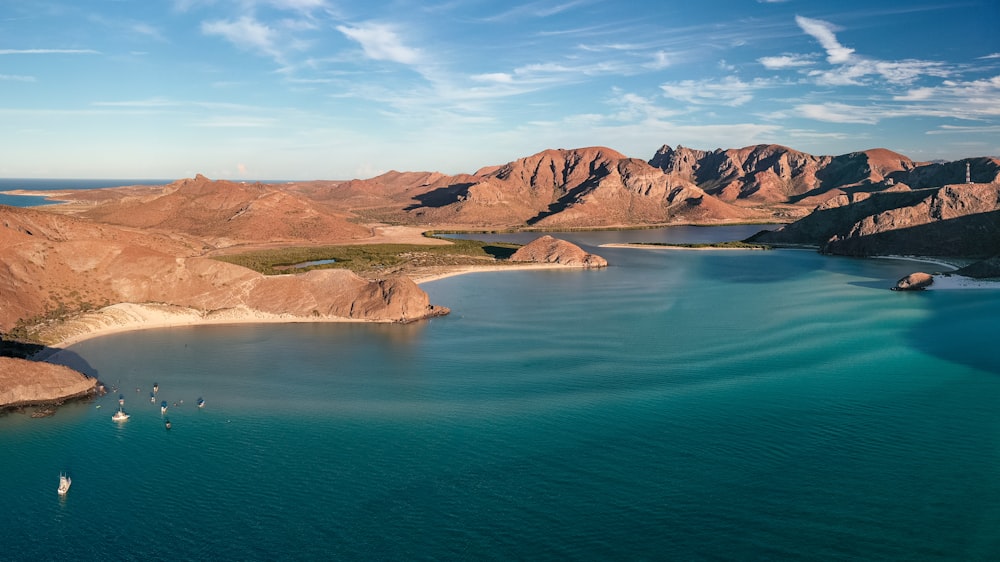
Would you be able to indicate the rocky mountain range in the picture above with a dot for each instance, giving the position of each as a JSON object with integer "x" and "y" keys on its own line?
{"x": 153, "y": 243}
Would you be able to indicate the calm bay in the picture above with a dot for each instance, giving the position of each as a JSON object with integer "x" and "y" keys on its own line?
{"x": 688, "y": 405}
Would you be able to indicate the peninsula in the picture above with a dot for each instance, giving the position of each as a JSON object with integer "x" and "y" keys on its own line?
{"x": 202, "y": 251}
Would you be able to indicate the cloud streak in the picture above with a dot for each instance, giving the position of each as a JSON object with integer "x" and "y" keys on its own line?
{"x": 381, "y": 42}
{"x": 49, "y": 52}
{"x": 823, "y": 32}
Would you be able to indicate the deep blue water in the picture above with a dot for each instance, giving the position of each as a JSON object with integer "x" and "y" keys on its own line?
{"x": 41, "y": 184}
{"x": 678, "y": 405}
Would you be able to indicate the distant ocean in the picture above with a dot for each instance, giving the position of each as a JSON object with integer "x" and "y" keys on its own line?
{"x": 41, "y": 184}
{"x": 678, "y": 405}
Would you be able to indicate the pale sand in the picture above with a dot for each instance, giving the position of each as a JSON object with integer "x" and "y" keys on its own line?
{"x": 951, "y": 281}
{"x": 420, "y": 278}
{"x": 668, "y": 247}
{"x": 125, "y": 317}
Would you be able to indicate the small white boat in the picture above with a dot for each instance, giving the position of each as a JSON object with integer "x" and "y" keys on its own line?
{"x": 64, "y": 483}
{"x": 120, "y": 416}
{"x": 163, "y": 407}
{"x": 156, "y": 388}
{"x": 152, "y": 398}
{"x": 201, "y": 403}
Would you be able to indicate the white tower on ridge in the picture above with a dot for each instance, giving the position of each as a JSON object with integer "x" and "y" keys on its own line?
{"x": 968, "y": 178}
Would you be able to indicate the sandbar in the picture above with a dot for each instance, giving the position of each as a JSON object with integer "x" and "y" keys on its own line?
{"x": 677, "y": 247}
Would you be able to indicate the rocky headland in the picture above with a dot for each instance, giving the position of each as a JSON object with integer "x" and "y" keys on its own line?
{"x": 139, "y": 256}
{"x": 26, "y": 383}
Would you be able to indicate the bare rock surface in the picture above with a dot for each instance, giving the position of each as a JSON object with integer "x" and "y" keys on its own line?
{"x": 24, "y": 383}
{"x": 547, "y": 249}
{"x": 915, "y": 282}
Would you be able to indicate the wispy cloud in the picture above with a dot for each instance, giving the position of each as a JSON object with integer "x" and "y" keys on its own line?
{"x": 965, "y": 130}
{"x": 17, "y": 78}
{"x": 246, "y": 33}
{"x": 785, "y": 61}
{"x": 381, "y": 42}
{"x": 539, "y": 9}
{"x": 48, "y": 52}
{"x": 730, "y": 91}
{"x": 823, "y": 32}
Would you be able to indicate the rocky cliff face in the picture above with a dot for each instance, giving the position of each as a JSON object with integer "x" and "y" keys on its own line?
{"x": 955, "y": 220}
{"x": 55, "y": 265}
{"x": 778, "y": 174}
{"x": 24, "y": 383}
{"x": 586, "y": 187}
{"x": 547, "y": 249}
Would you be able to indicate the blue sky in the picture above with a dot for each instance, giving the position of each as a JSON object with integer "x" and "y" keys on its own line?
{"x": 338, "y": 89}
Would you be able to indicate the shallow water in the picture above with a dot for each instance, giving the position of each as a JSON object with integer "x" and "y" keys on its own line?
{"x": 685, "y": 405}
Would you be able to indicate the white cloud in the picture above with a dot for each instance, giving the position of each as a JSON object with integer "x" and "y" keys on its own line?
{"x": 17, "y": 78}
{"x": 916, "y": 94}
{"x": 634, "y": 107}
{"x": 494, "y": 77}
{"x": 837, "y": 113}
{"x": 785, "y": 61}
{"x": 245, "y": 33}
{"x": 661, "y": 60}
{"x": 953, "y": 129}
{"x": 730, "y": 91}
{"x": 823, "y": 32}
{"x": 48, "y": 52}
{"x": 381, "y": 42}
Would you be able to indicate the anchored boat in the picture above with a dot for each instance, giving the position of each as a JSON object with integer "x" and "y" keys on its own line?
{"x": 64, "y": 483}
{"x": 120, "y": 415}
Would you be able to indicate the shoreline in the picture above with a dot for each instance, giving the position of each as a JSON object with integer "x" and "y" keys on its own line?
{"x": 128, "y": 317}
{"x": 678, "y": 247}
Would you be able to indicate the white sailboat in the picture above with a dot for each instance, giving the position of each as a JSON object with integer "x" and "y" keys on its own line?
{"x": 120, "y": 415}
{"x": 64, "y": 483}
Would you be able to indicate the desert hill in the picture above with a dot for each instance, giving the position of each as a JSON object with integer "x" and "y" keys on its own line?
{"x": 578, "y": 188}
{"x": 52, "y": 265}
{"x": 586, "y": 187}
{"x": 224, "y": 213}
{"x": 960, "y": 220}
{"x": 778, "y": 174}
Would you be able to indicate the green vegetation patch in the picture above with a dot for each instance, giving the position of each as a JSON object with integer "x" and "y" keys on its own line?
{"x": 367, "y": 258}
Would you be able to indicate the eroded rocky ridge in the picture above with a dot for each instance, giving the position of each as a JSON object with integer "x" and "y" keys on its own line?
{"x": 24, "y": 383}
{"x": 53, "y": 265}
{"x": 961, "y": 220}
{"x": 548, "y": 249}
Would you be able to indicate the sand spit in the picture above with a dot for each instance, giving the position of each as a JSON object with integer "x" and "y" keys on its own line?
{"x": 124, "y": 317}
{"x": 678, "y": 247}
{"x": 946, "y": 281}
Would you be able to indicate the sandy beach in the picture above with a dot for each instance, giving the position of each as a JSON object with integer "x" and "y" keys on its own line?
{"x": 669, "y": 247}
{"x": 124, "y": 317}
{"x": 947, "y": 281}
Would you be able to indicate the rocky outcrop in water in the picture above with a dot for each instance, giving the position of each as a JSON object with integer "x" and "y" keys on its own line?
{"x": 914, "y": 282}
{"x": 547, "y": 249}
{"x": 27, "y": 383}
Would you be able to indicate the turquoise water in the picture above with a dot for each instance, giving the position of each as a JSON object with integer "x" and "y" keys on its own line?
{"x": 678, "y": 405}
